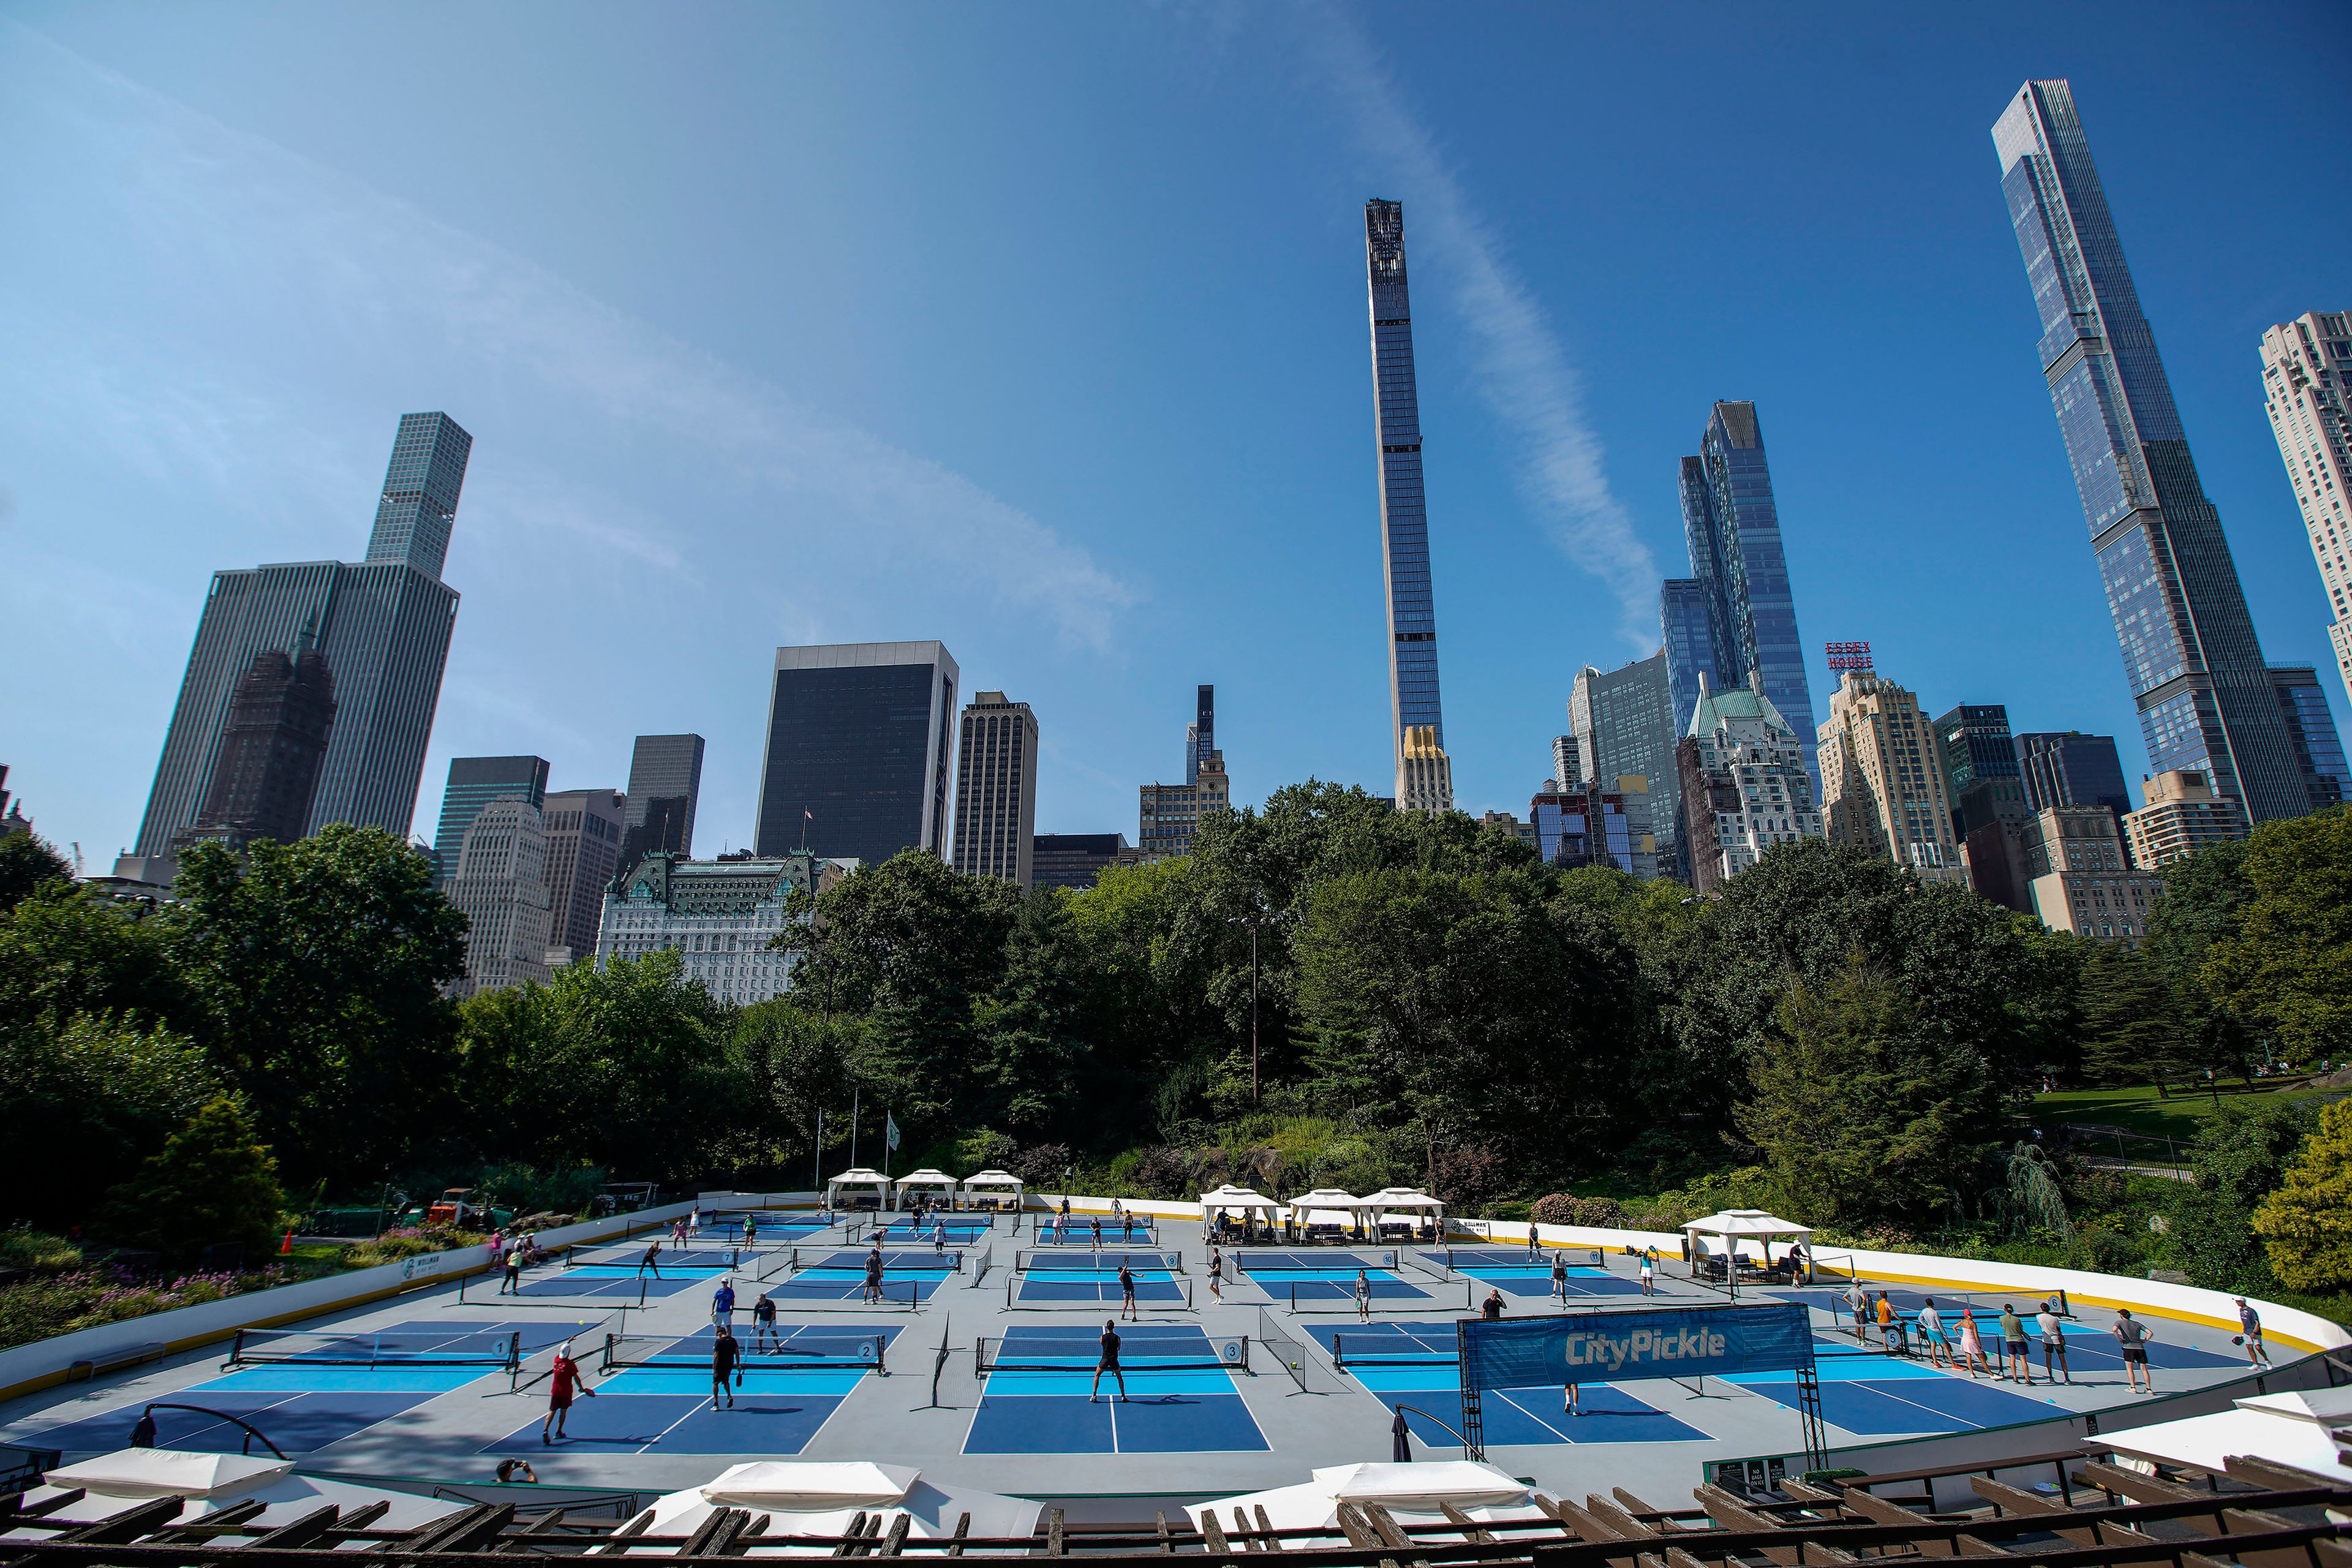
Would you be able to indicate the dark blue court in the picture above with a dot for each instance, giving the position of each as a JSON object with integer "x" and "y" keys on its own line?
{"x": 1087, "y": 1280}
{"x": 303, "y": 1406}
{"x": 1193, "y": 1406}
{"x": 1510, "y": 1271}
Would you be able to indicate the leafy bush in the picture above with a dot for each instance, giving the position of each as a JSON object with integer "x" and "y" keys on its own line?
{"x": 1163, "y": 1172}
{"x": 1042, "y": 1164}
{"x": 81, "y": 1298}
{"x": 212, "y": 1184}
{"x": 2306, "y": 1224}
{"x": 1567, "y": 1209}
{"x": 408, "y": 1241}
{"x": 25, "y": 1248}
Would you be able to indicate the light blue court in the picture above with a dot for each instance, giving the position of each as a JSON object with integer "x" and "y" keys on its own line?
{"x": 1511, "y": 1270}
{"x": 827, "y": 1282}
{"x": 296, "y": 1378}
{"x": 1178, "y": 1400}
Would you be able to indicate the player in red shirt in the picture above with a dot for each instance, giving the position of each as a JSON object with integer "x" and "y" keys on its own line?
{"x": 563, "y": 1381}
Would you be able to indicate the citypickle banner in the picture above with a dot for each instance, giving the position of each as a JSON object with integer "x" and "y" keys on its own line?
{"x": 1598, "y": 1347}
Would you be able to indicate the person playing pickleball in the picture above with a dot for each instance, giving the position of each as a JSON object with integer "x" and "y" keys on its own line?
{"x": 1108, "y": 1363}
{"x": 564, "y": 1380}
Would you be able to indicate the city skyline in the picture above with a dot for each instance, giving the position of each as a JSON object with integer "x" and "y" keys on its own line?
{"x": 1270, "y": 598}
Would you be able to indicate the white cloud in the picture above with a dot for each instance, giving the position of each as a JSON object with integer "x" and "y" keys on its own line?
{"x": 1527, "y": 378}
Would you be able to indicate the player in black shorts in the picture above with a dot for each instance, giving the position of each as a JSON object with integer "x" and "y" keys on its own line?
{"x": 1108, "y": 1363}
{"x": 1127, "y": 1308}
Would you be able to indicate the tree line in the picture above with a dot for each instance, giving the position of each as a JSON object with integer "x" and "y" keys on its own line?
{"x": 1431, "y": 1003}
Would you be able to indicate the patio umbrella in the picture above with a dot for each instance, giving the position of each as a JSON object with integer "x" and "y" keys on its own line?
{"x": 1400, "y": 1440}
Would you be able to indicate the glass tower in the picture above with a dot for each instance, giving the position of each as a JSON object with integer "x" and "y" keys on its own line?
{"x": 861, "y": 740}
{"x": 1687, "y": 635}
{"x": 1738, "y": 587}
{"x": 1404, "y": 523}
{"x": 2206, "y": 701}
{"x": 420, "y": 492}
{"x": 474, "y": 783}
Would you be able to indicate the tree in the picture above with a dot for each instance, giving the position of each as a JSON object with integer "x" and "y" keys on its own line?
{"x": 2204, "y": 899}
{"x": 213, "y": 1183}
{"x": 2288, "y": 963}
{"x": 621, "y": 1067}
{"x": 2306, "y": 1224}
{"x": 87, "y": 1098}
{"x": 25, "y": 863}
{"x": 319, "y": 966}
{"x": 2132, "y": 1028}
{"x": 799, "y": 1066}
{"x": 64, "y": 952}
{"x": 1031, "y": 1053}
{"x": 1865, "y": 1110}
{"x": 2236, "y": 1160}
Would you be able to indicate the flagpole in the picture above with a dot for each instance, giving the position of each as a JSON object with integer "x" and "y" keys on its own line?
{"x": 853, "y": 1127}
{"x": 817, "y": 1159}
{"x": 889, "y": 1126}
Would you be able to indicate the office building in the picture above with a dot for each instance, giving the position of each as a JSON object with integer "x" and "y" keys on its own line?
{"x": 1686, "y": 628}
{"x": 474, "y": 783}
{"x": 1504, "y": 823}
{"x": 1201, "y": 735}
{"x": 499, "y": 882}
{"x": 2307, "y": 392}
{"x": 1405, "y": 521}
{"x": 1883, "y": 778}
{"x": 1990, "y": 817}
{"x": 1168, "y": 815}
{"x": 2311, "y": 734}
{"x": 1567, "y": 765}
{"x": 382, "y": 628}
{"x": 665, "y": 784}
{"x": 2183, "y": 815}
{"x": 1072, "y": 860}
{"x": 2194, "y": 664}
{"x": 718, "y": 915}
{"x": 1742, "y": 784}
{"x": 1624, "y": 725}
{"x": 1426, "y": 773}
{"x": 1589, "y": 825}
{"x": 585, "y": 828}
{"x": 2070, "y": 768}
{"x": 1742, "y": 596}
{"x": 2081, "y": 879}
{"x": 996, "y": 789}
{"x": 271, "y": 745}
{"x": 861, "y": 738}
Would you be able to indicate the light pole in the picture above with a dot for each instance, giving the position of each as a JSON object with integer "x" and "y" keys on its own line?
{"x": 1253, "y": 920}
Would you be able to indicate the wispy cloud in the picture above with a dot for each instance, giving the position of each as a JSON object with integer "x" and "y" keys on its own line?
{"x": 1525, "y": 373}
{"x": 301, "y": 246}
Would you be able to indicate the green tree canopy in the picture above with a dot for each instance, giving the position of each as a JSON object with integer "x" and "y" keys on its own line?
{"x": 213, "y": 1183}
{"x": 88, "y": 1100}
{"x": 25, "y": 863}
{"x": 2288, "y": 963}
{"x": 2306, "y": 1224}
{"x": 320, "y": 968}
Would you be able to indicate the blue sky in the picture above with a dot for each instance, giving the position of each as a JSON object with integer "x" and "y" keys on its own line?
{"x": 1041, "y": 329}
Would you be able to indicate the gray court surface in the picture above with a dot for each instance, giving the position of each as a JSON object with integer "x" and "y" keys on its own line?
{"x": 428, "y": 1387}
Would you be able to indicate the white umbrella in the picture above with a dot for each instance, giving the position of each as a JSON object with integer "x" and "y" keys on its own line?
{"x": 1414, "y": 1492}
{"x": 112, "y": 1482}
{"x": 817, "y": 1497}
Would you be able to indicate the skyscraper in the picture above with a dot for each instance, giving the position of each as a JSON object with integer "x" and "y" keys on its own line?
{"x": 268, "y": 768}
{"x": 1624, "y": 725}
{"x": 1424, "y": 773}
{"x": 996, "y": 790}
{"x": 583, "y": 829}
{"x": 382, "y": 628}
{"x": 1405, "y": 521}
{"x": 1687, "y": 634}
{"x": 665, "y": 783}
{"x": 2070, "y": 768}
{"x": 2307, "y": 391}
{"x": 2195, "y": 667}
{"x": 2311, "y": 730}
{"x": 1201, "y": 736}
{"x": 1883, "y": 780}
{"x": 1073, "y": 860}
{"x": 474, "y": 783}
{"x": 1742, "y": 784}
{"x": 1990, "y": 817}
{"x": 1739, "y": 578}
{"x": 860, "y": 742}
{"x": 498, "y": 879}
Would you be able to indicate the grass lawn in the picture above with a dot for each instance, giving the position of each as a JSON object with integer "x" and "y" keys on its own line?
{"x": 2140, "y": 1111}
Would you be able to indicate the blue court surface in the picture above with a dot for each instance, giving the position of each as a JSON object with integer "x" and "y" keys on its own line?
{"x": 667, "y": 1404}
{"x": 1873, "y": 1396}
{"x": 1510, "y": 1271}
{"x": 606, "y": 1282}
{"x": 305, "y": 1404}
{"x": 1298, "y": 1286}
{"x": 1179, "y": 1400}
{"x": 1415, "y": 1364}
{"x": 1083, "y": 1280}
{"x": 2092, "y": 1351}
{"x": 1078, "y": 1232}
{"x": 907, "y": 1278}
{"x": 907, "y": 1233}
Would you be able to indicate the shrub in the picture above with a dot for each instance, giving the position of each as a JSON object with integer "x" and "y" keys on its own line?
{"x": 1567, "y": 1209}
{"x": 409, "y": 1241}
{"x": 2306, "y": 1224}
{"x": 1042, "y": 1164}
{"x": 212, "y": 1184}
{"x": 1163, "y": 1172}
{"x": 25, "y": 1248}
{"x": 82, "y": 1299}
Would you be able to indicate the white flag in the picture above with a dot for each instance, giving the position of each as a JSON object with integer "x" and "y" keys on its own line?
{"x": 890, "y": 1132}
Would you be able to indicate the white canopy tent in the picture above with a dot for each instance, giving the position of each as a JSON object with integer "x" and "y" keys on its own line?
{"x": 1409, "y": 1204}
{"x": 1000, "y": 1189}
{"x": 1331, "y": 1204}
{"x": 1732, "y": 1227}
{"x": 1233, "y": 1197}
{"x": 858, "y": 1178}
{"x": 814, "y": 1497}
{"x": 1415, "y": 1493}
{"x": 210, "y": 1482}
{"x": 927, "y": 1178}
{"x": 2295, "y": 1429}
